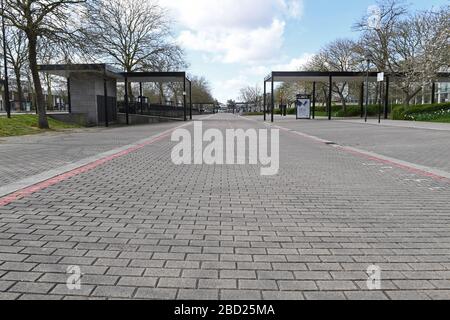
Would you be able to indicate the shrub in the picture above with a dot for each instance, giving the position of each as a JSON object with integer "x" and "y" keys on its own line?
{"x": 427, "y": 112}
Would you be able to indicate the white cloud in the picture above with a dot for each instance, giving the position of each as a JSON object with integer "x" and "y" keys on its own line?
{"x": 234, "y": 31}
{"x": 229, "y": 89}
{"x": 291, "y": 65}
{"x": 295, "y": 64}
{"x": 230, "y": 46}
{"x": 240, "y": 37}
{"x": 243, "y": 14}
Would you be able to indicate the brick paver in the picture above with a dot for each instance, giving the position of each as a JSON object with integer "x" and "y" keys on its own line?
{"x": 140, "y": 227}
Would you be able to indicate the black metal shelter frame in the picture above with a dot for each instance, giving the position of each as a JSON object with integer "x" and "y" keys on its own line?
{"x": 161, "y": 77}
{"x": 330, "y": 78}
{"x": 108, "y": 72}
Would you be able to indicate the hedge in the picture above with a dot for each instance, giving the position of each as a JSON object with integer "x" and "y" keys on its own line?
{"x": 429, "y": 112}
{"x": 426, "y": 112}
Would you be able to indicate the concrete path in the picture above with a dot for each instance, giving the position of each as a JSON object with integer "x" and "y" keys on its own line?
{"x": 404, "y": 124}
{"x": 139, "y": 227}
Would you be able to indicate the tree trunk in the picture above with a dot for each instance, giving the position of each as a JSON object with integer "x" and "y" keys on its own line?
{"x": 325, "y": 94}
{"x": 31, "y": 96}
{"x": 19, "y": 87}
{"x": 344, "y": 103}
{"x": 130, "y": 92}
{"x": 408, "y": 96}
{"x": 342, "y": 97}
{"x": 49, "y": 93}
{"x": 161, "y": 93}
{"x": 32, "y": 57}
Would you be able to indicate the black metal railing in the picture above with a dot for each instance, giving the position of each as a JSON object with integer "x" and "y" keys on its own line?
{"x": 158, "y": 110}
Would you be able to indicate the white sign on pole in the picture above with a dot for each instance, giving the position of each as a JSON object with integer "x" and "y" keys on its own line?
{"x": 380, "y": 77}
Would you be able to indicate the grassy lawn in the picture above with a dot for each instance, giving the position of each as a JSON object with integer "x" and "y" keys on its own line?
{"x": 20, "y": 125}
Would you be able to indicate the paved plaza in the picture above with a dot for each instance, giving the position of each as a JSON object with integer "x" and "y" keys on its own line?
{"x": 140, "y": 227}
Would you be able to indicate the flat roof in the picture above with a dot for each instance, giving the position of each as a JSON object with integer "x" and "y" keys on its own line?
{"x": 65, "y": 70}
{"x": 324, "y": 76}
{"x": 319, "y": 76}
{"x": 153, "y": 76}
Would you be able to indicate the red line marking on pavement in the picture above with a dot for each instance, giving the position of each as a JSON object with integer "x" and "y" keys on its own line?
{"x": 20, "y": 194}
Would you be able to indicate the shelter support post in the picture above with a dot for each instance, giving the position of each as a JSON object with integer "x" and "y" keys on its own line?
{"x": 105, "y": 101}
{"x": 190, "y": 100}
{"x": 69, "y": 100}
{"x": 433, "y": 92}
{"x": 330, "y": 96}
{"x": 141, "y": 97}
{"x": 273, "y": 100}
{"x": 265, "y": 101}
{"x": 127, "y": 105}
{"x": 184, "y": 99}
{"x": 314, "y": 101}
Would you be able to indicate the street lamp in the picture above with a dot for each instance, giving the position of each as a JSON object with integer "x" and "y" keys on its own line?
{"x": 6, "y": 85}
{"x": 369, "y": 59}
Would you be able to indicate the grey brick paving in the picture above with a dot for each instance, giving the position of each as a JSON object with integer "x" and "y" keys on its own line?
{"x": 142, "y": 228}
{"x": 44, "y": 152}
{"x": 414, "y": 144}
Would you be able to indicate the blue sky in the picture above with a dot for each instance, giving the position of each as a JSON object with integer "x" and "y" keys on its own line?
{"x": 234, "y": 43}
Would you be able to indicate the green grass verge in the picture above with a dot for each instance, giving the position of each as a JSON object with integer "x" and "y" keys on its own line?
{"x": 20, "y": 125}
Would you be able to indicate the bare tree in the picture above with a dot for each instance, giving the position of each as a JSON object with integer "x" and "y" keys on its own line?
{"x": 421, "y": 49}
{"x": 172, "y": 61}
{"x": 339, "y": 55}
{"x": 46, "y": 20}
{"x": 378, "y": 29}
{"x": 17, "y": 55}
{"x": 251, "y": 95}
{"x": 201, "y": 90}
{"x": 132, "y": 34}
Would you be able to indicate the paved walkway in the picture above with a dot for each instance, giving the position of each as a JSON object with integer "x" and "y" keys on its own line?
{"x": 405, "y": 124}
{"x": 140, "y": 227}
{"x": 23, "y": 157}
{"x": 408, "y": 142}
{"x": 384, "y": 123}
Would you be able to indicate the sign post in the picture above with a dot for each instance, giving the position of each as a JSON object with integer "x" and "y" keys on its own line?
{"x": 303, "y": 105}
{"x": 380, "y": 80}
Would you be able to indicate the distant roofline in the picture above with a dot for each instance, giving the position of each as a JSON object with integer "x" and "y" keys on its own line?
{"x": 66, "y": 69}
{"x": 324, "y": 75}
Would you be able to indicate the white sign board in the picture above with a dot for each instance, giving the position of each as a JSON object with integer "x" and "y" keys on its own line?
{"x": 303, "y": 108}
{"x": 380, "y": 77}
